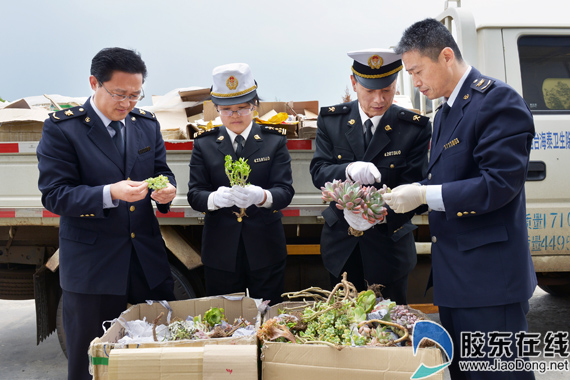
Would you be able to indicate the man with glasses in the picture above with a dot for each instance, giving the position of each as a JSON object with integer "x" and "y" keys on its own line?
{"x": 93, "y": 160}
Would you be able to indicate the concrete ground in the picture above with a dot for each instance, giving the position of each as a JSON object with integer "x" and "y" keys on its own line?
{"x": 21, "y": 358}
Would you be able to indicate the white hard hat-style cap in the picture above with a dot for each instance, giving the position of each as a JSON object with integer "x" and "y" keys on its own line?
{"x": 375, "y": 68}
{"x": 233, "y": 84}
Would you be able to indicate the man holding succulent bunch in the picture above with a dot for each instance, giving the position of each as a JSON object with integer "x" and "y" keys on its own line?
{"x": 93, "y": 163}
{"x": 373, "y": 142}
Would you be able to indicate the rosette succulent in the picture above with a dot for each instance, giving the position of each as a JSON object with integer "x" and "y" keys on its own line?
{"x": 346, "y": 194}
{"x": 372, "y": 205}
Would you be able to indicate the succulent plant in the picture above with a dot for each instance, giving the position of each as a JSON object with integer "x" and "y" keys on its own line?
{"x": 346, "y": 194}
{"x": 372, "y": 205}
{"x": 364, "y": 200}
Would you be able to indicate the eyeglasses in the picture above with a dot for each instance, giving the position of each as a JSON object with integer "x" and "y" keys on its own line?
{"x": 120, "y": 98}
{"x": 240, "y": 112}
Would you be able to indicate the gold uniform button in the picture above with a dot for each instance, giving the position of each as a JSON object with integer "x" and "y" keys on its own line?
{"x": 339, "y": 156}
{"x": 92, "y": 215}
{"x": 473, "y": 212}
{"x": 392, "y": 166}
{"x": 81, "y": 216}
{"x": 132, "y": 208}
{"x": 132, "y": 235}
{"x": 460, "y": 214}
{"x": 433, "y": 239}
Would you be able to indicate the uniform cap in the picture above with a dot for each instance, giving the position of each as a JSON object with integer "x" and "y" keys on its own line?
{"x": 233, "y": 84}
{"x": 375, "y": 68}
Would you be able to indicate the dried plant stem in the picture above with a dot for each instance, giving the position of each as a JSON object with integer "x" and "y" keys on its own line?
{"x": 392, "y": 324}
{"x": 154, "y": 323}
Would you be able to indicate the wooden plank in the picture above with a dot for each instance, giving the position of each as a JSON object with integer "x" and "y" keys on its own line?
{"x": 303, "y": 249}
{"x": 427, "y": 308}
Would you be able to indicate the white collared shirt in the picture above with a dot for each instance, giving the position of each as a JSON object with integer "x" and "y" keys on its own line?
{"x": 434, "y": 196}
{"x": 244, "y": 134}
{"x": 363, "y": 117}
{"x": 108, "y": 201}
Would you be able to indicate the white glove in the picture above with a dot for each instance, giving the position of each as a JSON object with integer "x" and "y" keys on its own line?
{"x": 248, "y": 195}
{"x": 364, "y": 172}
{"x": 356, "y": 221}
{"x": 223, "y": 197}
{"x": 406, "y": 198}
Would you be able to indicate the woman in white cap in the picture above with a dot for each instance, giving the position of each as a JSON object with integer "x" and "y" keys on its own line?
{"x": 246, "y": 252}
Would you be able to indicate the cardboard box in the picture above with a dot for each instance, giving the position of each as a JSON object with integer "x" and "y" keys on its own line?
{"x": 21, "y": 124}
{"x": 285, "y": 361}
{"x": 102, "y": 357}
{"x": 281, "y": 361}
{"x": 291, "y": 108}
{"x": 166, "y": 363}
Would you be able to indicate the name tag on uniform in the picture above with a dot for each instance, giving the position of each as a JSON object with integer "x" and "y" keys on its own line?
{"x": 144, "y": 150}
{"x": 450, "y": 144}
{"x": 393, "y": 153}
{"x": 261, "y": 159}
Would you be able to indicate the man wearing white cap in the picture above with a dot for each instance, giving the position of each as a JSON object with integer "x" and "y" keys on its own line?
{"x": 249, "y": 251}
{"x": 374, "y": 142}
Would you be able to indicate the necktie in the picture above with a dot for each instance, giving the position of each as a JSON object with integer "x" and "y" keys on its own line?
{"x": 118, "y": 138}
{"x": 368, "y": 134}
{"x": 444, "y": 112}
{"x": 239, "y": 149}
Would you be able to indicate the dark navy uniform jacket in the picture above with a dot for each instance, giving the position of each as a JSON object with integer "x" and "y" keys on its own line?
{"x": 399, "y": 150}
{"x": 480, "y": 253}
{"x": 77, "y": 158}
{"x": 262, "y": 231}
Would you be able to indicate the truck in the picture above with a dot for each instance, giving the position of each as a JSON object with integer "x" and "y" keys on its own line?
{"x": 531, "y": 57}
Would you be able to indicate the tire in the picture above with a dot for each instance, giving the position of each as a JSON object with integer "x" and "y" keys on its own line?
{"x": 59, "y": 326}
{"x": 183, "y": 289}
{"x": 557, "y": 290}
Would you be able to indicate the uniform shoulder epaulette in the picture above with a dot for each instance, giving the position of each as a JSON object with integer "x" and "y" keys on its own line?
{"x": 206, "y": 132}
{"x": 275, "y": 130}
{"x": 338, "y": 109}
{"x": 482, "y": 84}
{"x": 67, "y": 114}
{"x": 143, "y": 113}
{"x": 413, "y": 117}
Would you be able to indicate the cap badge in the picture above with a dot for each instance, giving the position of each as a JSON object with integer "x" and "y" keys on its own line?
{"x": 232, "y": 82}
{"x": 375, "y": 62}
{"x": 351, "y": 121}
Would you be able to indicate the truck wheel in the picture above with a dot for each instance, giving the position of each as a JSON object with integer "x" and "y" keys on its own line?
{"x": 557, "y": 290}
{"x": 59, "y": 326}
{"x": 183, "y": 289}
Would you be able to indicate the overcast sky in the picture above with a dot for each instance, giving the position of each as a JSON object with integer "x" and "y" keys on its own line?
{"x": 296, "y": 48}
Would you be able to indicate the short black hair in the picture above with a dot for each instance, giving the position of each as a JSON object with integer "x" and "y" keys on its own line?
{"x": 429, "y": 37}
{"x": 113, "y": 59}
